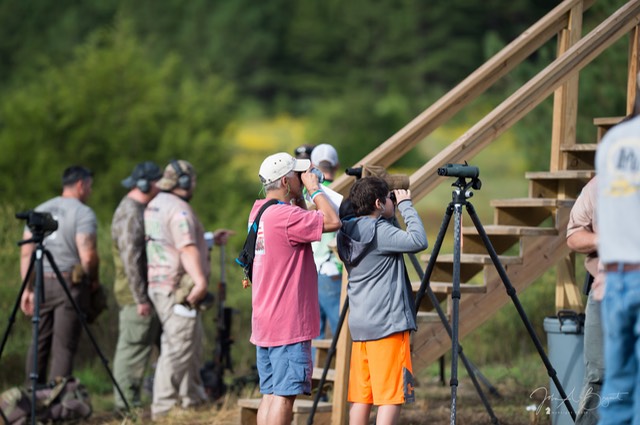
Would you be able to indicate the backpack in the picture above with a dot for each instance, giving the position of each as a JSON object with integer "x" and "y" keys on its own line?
{"x": 246, "y": 256}
{"x": 60, "y": 400}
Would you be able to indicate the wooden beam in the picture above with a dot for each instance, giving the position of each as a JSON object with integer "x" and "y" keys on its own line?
{"x": 565, "y": 100}
{"x": 568, "y": 295}
{"x": 563, "y": 133}
{"x": 634, "y": 57}
{"x": 527, "y": 97}
{"x": 340, "y": 414}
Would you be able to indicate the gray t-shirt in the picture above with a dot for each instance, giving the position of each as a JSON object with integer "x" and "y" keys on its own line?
{"x": 73, "y": 218}
{"x": 618, "y": 170}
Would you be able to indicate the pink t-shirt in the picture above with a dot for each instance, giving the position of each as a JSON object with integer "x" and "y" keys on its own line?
{"x": 170, "y": 224}
{"x": 285, "y": 281}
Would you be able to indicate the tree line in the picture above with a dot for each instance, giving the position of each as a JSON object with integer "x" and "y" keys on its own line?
{"x": 113, "y": 82}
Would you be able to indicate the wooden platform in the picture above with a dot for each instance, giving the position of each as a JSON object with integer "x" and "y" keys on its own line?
{"x": 301, "y": 410}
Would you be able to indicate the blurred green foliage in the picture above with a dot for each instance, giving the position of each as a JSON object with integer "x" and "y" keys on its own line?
{"x": 110, "y": 83}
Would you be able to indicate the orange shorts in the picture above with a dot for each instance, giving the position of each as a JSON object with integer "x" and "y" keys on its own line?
{"x": 381, "y": 371}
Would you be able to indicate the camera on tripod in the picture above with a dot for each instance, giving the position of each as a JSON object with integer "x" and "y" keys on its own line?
{"x": 40, "y": 223}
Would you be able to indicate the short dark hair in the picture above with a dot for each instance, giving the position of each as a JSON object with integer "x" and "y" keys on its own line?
{"x": 74, "y": 174}
{"x": 365, "y": 192}
{"x": 303, "y": 151}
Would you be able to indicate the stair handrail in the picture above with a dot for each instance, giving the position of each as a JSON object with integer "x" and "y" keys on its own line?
{"x": 468, "y": 90}
{"x": 503, "y": 116}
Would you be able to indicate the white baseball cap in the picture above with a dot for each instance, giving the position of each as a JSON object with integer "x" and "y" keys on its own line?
{"x": 324, "y": 152}
{"x": 279, "y": 165}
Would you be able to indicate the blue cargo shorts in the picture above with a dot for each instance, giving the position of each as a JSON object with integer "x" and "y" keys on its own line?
{"x": 285, "y": 370}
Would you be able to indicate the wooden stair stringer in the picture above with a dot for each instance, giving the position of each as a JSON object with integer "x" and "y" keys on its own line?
{"x": 431, "y": 341}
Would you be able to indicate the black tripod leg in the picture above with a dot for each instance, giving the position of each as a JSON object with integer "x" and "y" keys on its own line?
{"x": 455, "y": 310}
{"x": 426, "y": 276}
{"x": 327, "y": 364}
{"x": 38, "y": 296}
{"x": 511, "y": 291}
{"x": 86, "y": 327}
{"x": 424, "y": 287}
{"x": 472, "y": 370}
{"x": 12, "y": 318}
{"x": 16, "y": 306}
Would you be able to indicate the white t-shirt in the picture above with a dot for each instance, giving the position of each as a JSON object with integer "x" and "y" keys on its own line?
{"x": 618, "y": 170}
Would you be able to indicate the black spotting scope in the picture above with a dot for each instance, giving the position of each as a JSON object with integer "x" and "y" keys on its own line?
{"x": 459, "y": 170}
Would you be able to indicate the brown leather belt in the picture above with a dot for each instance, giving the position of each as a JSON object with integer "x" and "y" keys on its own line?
{"x": 625, "y": 267}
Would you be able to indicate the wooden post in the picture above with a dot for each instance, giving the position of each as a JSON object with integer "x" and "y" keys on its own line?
{"x": 632, "y": 84}
{"x": 340, "y": 413}
{"x": 565, "y": 117}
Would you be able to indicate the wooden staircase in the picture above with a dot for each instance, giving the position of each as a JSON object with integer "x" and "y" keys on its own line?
{"x": 527, "y": 233}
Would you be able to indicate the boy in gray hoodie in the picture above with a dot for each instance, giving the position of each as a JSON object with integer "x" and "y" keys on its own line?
{"x": 381, "y": 303}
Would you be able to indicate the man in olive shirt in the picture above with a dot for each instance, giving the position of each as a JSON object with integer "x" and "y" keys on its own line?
{"x": 138, "y": 323}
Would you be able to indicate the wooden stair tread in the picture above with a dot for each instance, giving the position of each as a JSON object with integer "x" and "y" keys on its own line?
{"x": 607, "y": 120}
{"x": 321, "y": 343}
{"x": 532, "y": 202}
{"x": 445, "y": 287}
{"x": 496, "y": 229}
{"x": 427, "y": 317}
{"x": 299, "y": 405}
{"x": 475, "y": 259}
{"x": 562, "y": 174}
{"x": 317, "y": 374}
{"x": 580, "y": 147}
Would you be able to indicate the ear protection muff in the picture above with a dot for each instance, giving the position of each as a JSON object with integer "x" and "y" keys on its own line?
{"x": 143, "y": 185}
{"x": 184, "y": 179}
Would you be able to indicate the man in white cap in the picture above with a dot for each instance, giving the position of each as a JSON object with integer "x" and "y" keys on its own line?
{"x": 285, "y": 286}
{"x": 176, "y": 248}
{"x": 325, "y": 158}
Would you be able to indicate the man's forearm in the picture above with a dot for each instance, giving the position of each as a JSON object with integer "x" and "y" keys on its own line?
{"x": 91, "y": 266}
{"x": 26, "y": 250}
{"x": 88, "y": 252}
{"x": 583, "y": 241}
{"x": 190, "y": 258}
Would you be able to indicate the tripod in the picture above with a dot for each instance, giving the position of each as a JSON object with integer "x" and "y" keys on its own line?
{"x": 460, "y": 197}
{"x": 473, "y": 372}
{"x": 37, "y": 258}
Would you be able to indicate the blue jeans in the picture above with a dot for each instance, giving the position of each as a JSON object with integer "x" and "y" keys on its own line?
{"x": 620, "y": 403}
{"x": 329, "y": 298}
{"x": 593, "y": 364}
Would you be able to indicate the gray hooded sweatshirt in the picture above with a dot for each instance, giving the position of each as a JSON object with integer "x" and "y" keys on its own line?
{"x": 380, "y": 296}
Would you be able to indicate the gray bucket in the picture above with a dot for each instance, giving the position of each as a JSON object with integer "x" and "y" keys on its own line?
{"x": 565, "y": 340}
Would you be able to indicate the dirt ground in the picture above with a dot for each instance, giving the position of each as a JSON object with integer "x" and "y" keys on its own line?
{"x": 432, "y": 407}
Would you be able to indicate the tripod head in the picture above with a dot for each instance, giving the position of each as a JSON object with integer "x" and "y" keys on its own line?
{"x": 41, "y": 224}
